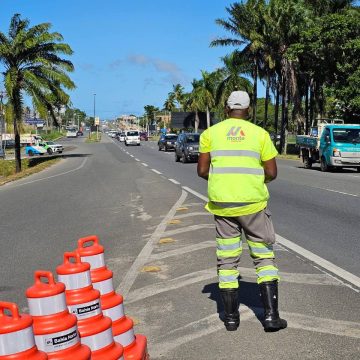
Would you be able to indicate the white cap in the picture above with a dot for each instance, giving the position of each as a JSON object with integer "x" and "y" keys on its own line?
{"x": 238, "y": 100}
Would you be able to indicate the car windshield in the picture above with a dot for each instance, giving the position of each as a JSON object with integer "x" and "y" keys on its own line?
{"x": 171, "y": 137}
{"x": 50, "y": 143}
{"x": 133, "y": 133}
{"x": 194, "y": 138}
{"x": 346, "y": 135}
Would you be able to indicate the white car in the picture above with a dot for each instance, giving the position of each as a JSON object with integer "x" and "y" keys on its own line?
{"x": 122, "y": 136}
{"x": 132, "y": 137}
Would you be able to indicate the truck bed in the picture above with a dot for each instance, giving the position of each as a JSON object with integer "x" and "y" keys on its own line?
{"x": 307, "y": 141}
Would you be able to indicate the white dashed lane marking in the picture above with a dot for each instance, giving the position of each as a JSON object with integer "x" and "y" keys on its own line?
{"x": 155, "y": 171}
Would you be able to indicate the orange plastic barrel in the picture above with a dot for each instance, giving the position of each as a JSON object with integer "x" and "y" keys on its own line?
{"x": 16, "y": 335}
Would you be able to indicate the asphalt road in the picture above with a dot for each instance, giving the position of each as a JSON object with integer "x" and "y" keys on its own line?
{"x": 159, "y": 242}
{"x": 318, "y": 211}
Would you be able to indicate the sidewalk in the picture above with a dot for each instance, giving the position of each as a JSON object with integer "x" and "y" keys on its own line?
{"x": 175, "y": 302}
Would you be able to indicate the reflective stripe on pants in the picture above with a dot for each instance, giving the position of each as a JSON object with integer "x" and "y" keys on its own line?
{"x": 229, "y": 247}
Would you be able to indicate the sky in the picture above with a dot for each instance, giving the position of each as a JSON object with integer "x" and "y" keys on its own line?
{"x": 129, "y": 53}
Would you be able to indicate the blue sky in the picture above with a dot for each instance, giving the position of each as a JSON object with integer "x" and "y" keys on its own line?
{"x": 129, "y": 53}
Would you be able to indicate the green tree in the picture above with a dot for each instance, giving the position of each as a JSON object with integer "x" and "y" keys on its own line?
{"x": 33, "y": 67}
{"x": 234, "y": 66}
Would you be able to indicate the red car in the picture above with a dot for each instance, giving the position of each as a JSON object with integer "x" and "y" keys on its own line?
{"x": 144, "y": 136}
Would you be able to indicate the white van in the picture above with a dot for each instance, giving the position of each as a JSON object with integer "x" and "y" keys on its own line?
{"x": 132, "y": 137}
{"x": 71, "y": 133}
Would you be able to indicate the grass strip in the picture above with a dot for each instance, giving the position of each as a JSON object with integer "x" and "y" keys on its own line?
{"x": 28, "y": 166}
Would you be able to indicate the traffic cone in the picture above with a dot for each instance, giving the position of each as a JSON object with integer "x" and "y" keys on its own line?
{"x": 135, "y": 346}
{"x": 55, "y": 329}
{"x": 16, "y": 335}
{"x": 84, "y": 302}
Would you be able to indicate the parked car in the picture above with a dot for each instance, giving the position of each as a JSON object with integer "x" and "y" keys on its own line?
{"x": 79, "y": 133}
{"x": 167, "y": 142}
{"x": 51, "y": 147}
{"x": 187, "y": 147}
{"x": 144, "y": 136}
{"x": 132, "y": 137}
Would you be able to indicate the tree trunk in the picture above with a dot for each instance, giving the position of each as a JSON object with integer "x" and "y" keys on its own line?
{"x": 312, "y": 119}
{"x": 307, "y": 110}
{"x": 17, "y": 146}
{"x": 207, "y": 117}
{"x": 255, "y": 76}
{"x": 284, "y": 117}
{"x": 277, "y": 102}
{"x": 196, "y": 120}
{"x": 267, "y": 97}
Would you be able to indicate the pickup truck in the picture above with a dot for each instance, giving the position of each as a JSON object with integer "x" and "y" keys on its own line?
{"x": 332, "y": 143}
{"x": 51, "y": 147}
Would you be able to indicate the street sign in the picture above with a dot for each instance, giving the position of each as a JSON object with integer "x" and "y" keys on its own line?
{"x": 34, "y": 121}
{"x": 97, "y": 121}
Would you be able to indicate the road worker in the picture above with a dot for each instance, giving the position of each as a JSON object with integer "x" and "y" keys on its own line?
{"x": 238, "y": 158}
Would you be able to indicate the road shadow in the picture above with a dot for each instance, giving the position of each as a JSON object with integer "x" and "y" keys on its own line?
{"x": 249, "y": 295}
{"x": 33, "y": 161}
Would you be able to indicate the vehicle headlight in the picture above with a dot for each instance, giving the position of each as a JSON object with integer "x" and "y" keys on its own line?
{"x": 191, "y": 148}
{"x": 336, "y": 152}
{"x": 168, "y": 142}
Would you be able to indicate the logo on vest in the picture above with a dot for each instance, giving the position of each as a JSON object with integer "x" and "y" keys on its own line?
{"x": 235, "y": 134}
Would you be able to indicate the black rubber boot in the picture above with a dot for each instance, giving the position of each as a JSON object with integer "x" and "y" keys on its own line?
{"x": 231, "y": 307}
{"x": 269, "y": 297}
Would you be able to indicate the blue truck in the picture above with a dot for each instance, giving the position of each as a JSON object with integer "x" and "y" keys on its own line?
{"x": 333, "y": 144}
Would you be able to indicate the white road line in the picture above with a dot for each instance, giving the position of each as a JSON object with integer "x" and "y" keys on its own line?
{"x": 207, "y": 274}
{"x": 46, "y": 178}
{"x": 145, "y": 164}
{"x": 343, "y": 274}
{"x": 155, "y": 171}
{"x": 174, "y": 181}
{"x": 194, "y": 330}
{"x": 200, "y": 196}
{"x": 133, "y": 272}
{"x": 137, "y": 159}
{"x": 325, "y": 264}
{"x": 132, "y": 155}
{"x": 340, "y": 192}
{"x": 189, "y": 228}
{"x": 210, "y": 324}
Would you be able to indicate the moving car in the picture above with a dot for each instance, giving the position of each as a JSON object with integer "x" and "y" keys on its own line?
{"x": 51, "y": 147}
{"x": 187, "y": 147}
{"x": 167, "y": 142}
{"x": 144, "y": 136}
{"x": 132, "y": 137}
{"x": 71, "y": 133}
{"x": 122, "y": 136}
{"x": 32, "y": 150}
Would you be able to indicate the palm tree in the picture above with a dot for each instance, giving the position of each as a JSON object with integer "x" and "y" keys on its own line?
{"x": 178, "y": 92}
{"x": 33, "y": 67}
{"x": 234, "y": 66}
{"x": 169, "y": 103}
{"x": 245, "y": 22}
{"x": 206, "y": 92}
{"x": 193, "y": 102}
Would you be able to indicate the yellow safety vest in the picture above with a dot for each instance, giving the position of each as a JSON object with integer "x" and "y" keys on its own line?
{"x": 236, "y": 176}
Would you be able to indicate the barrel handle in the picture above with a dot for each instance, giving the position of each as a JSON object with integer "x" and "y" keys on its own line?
{"x": 90, "y": 238}
{"x": 12, "y": 307}
{"x": 39, "y": 274}
{"x": 72, "y": 255}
